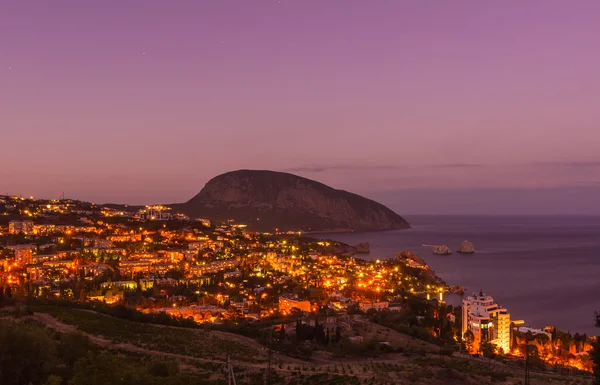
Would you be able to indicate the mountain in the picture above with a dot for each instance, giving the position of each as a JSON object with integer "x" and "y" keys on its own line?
{"x": 267, "y": 200}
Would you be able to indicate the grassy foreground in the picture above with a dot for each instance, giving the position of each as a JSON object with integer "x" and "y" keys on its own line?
{"x": 89, "y": 347}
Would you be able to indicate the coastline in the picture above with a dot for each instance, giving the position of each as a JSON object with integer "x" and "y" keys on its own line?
{"x": 521, "y": 260}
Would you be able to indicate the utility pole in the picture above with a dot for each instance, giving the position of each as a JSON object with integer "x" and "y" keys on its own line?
{"x": 270, "y": 357}
{"x": 526, "y": 365}
{"x": 230, "y": 375}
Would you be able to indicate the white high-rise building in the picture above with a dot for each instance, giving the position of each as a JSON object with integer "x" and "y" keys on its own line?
{"x": 487, "y": 320}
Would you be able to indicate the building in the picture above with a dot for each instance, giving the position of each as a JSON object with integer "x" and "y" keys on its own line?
{"x": 525, "y": 330}
{"x": 199, "y": 245}
{"x": 17, "y": 227}
{"x": 36, "y": 273}
{"x": 127, "y": 285}
{"x": 487, "y": 320}
{"x": 154, "y": 213}
{"x": 286, "y": 304}
{"x": 172, "y": 255}
{"x": 62, "y": 264}
{"x": 24, "y": 256}
{"x": 214, "y": 267}
{"x": 40, "y": 258}
{"x": 95, "y": 269}
{"x": 103, "y": 243}
{"x": 136, "y": 266}
{"x": 205, "y": 222}
{"x": 364, "y": 306}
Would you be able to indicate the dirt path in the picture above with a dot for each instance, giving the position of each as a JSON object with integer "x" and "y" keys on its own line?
{"x": 187, "y": 361}
{"x": 226, "y": 336}
{"x": 55, "y": 324}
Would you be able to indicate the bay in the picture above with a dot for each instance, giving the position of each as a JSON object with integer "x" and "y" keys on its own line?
{"x": 543, "y": 269}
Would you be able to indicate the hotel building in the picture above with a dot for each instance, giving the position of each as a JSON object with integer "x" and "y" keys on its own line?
{"x": 487, "y": 320}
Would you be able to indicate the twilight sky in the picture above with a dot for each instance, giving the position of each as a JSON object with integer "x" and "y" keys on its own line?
{"x": 429, "y": 106}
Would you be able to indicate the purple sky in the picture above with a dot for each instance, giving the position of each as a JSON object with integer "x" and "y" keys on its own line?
{"x": 429, "y": 106}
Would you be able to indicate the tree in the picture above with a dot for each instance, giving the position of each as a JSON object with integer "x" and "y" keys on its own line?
{"x": 446, "y": 332}
{"x": 82, "y": 295}
{"x": 74, "y": 346}
{"x": 105, "y": 368}
{"x": 468, "y": 339}
{"x": 532, "y": 355}
{"x": 27, "y": 354}
{"x": 338, "y": 334}
{"x": 8, "y": 292}
{"x": 595, "y": 354}
{"x": 319, "y": 334}
{"x": 487, "y": 349}
{"x": 53, "y": 380}
{"x": 282, "y": 333}
{"x": 1, "y": 296}
{"x": 161, "y": 368}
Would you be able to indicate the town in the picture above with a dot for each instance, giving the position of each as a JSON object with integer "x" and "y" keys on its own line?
{"x": 161, "y": 262}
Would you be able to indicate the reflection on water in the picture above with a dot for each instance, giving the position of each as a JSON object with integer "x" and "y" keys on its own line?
{"x": 543, "y": 269}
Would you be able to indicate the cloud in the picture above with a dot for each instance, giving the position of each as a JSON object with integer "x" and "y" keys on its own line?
{"x": 367, "y": 167}
{"x": 566, "y": 200}
{"x": 370, "y": 177}
{"x": 346, "y": 167}
{"x": 456, "y": 165}
{"x": 591, "y": 164}
{"x": 565, "y": 164}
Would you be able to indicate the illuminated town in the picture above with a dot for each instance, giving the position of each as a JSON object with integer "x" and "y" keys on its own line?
{"x": 159, "y": 261}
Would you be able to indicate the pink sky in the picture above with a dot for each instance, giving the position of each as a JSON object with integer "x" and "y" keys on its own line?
{"x": 144, "y": 101}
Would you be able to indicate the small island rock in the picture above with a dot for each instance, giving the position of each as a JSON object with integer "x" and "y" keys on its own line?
{"x": 441, "y": 250}
{"x": 466, "y": 247}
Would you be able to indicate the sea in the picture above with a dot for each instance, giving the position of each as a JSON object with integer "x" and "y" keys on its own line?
{"x": 544, "y": 269}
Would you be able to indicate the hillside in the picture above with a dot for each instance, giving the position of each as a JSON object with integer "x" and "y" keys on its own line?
{"x": 57, "y": 345}
{"x": 267, "y": 200}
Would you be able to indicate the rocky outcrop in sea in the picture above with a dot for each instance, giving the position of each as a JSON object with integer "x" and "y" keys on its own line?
{"x": 441, "y": 250}
{"x": 466, "y": 247}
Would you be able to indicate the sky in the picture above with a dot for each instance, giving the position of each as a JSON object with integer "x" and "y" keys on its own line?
{"x": 458, "y": 107}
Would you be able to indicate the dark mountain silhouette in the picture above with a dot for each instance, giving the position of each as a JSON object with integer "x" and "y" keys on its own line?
{"x": 267, "y": 200}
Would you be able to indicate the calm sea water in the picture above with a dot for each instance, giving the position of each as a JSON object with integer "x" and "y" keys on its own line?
{"x": 545, "y": 270}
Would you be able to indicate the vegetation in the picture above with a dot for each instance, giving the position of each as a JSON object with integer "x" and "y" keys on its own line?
{"x": 119, "y": 311}
{"x": 33, "y": 354}
{"x": 419, "y": 319}
{"x": 193, "y": 343}
{"x": 144, "y": 353}
{"x": 595, "y": 354}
